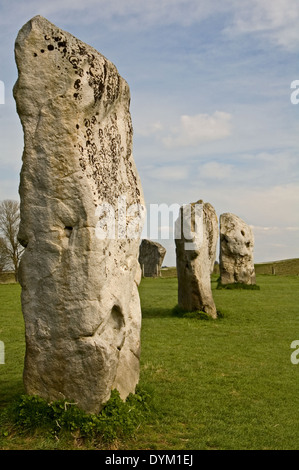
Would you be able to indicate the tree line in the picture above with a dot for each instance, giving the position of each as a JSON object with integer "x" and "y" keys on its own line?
{"x": 10, "y": 248}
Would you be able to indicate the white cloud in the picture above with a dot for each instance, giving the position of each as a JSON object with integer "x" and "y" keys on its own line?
{"x": 199, "y": 128}
{"x": 260, "y": 187}
{"x": 216, "y": 171}
{"x": 274, "y": 243}
{"x": 147, "y": 130}
{"x": 259, "y": 229}
{"x": 275, "y": 206}
{"x": 261, "y": 170}
{"x": 275, "y": 21}
{"x": 167, "y": 173}
{"x": 129, "y": 13}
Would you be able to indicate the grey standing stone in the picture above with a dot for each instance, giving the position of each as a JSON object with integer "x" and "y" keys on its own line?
{"x": 151, "y": 256}
{"x": 79, "y": 289}
{"x": 196, "y": 235}
{"x": 236, "y": 251}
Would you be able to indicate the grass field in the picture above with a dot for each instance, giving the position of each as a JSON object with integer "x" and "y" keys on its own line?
{"x": 287, "y": 267}
{"x": 224, "y": 384}
{"x": 282, "y": 268}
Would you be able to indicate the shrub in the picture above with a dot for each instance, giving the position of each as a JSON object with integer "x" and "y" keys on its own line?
{"x": 196, "y": 314}
{"x": 117, "y": 419}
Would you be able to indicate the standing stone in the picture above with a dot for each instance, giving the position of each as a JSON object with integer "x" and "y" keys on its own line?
{"x": 79, "y": 287}
{"x": 236, "y": 251}
{"x": 151, "y": 256}
{"x": 196, "y": 240}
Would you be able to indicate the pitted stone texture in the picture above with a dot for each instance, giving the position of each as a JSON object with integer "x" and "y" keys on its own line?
{"x": 79, "y": 293}
{"x": 195, "y": 256}
{"x": 236, "y": 251}
{"x": 151, "y": 256}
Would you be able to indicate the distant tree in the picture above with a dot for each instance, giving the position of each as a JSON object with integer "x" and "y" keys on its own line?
{"x": 9, "y": 227}
{"x": 4, "y": 256}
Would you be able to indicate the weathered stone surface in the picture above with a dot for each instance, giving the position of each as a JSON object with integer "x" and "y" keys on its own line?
{"x": 151, "y": 256}
{"x": 79, "y": 291}
{"x": 236, "y": 251}
{"x": 196, "y": 241}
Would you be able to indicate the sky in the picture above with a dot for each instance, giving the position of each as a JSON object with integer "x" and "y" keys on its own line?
{"x": 214, "y": 113}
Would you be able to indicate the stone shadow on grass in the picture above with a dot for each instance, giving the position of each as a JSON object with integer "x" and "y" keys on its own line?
{"x": 151, "y": 312}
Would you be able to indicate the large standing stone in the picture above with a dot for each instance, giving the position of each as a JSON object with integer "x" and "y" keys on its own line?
{"x": 236, "y": 251}
{"x": 79, "y": 288}
{"x": 196, "y": 241}
{"x": 151, "y": 256}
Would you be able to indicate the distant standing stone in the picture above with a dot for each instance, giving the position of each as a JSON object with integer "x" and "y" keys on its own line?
{"x": 151, "y": 256}
{"x": 196, "y": 235}
{"x": 236, "y": 251}
{"x": 79, "y": 290}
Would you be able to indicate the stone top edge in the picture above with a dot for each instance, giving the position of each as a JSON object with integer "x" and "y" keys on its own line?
{"x": 230, "y": 214}
{"x": 39, "y": 21}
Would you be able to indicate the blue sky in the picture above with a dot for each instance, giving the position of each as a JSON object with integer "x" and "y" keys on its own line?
{"x": 210, "y": 102}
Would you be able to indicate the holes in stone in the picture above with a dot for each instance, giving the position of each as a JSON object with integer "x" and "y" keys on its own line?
{"x": 68, "y": 231}
{"x": 116, "y": 325}
{"x": 50, "y": 47}
{"x": 62, "y": 44}
{"x": 243, "y": 233}
{"x": 42, "y": 51}
{"x": 24, "y": 243}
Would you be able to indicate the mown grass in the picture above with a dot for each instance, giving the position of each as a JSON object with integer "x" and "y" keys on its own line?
{"x": 286, "y": 267}
{"x": 282, "y": 268}
{"x": 12, "y": 333}
{"x": 227, "y": 384}
{"x": 223, "y": 384}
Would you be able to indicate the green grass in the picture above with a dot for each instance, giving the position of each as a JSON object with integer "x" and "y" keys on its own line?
{"x": 237, "y": 285}
{"x": 222, "y": 384}
{"x": 168, "y": 272}
{"x": 282, "y": 268}
{"x": 12, "y": 333}
{"x": 286, "y": 267}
